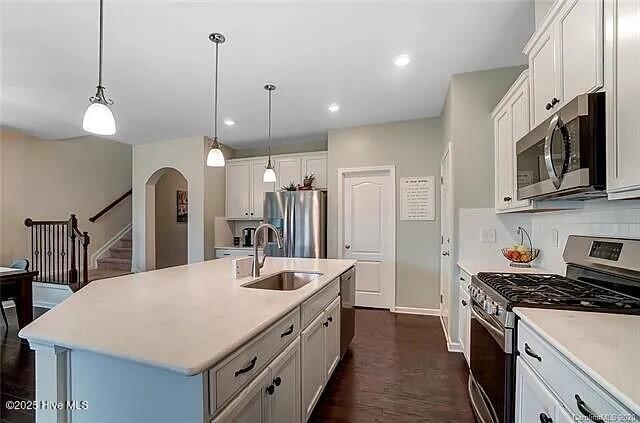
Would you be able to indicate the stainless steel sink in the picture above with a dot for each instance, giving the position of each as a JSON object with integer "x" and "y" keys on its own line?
{"x": 284, "y": 281}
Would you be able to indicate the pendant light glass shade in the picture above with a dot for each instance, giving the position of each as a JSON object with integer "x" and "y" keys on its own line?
{"x": 98, "y": 119}
{"x": 215, "y": 158}
{"x": 269, "y": 175}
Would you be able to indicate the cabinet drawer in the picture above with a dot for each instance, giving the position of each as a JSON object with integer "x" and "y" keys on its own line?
{"x": 236, "y": 371}
{"x": 465, "y": 280}
{"x": 574, "y": 388}
{"x": 316, "y": 304}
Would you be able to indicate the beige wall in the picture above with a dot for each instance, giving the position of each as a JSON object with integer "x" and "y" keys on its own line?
{"x": 171, "y": 236}
{"x": 214, "y": 201}
{"x": 414, "y": 147}
{"x": 45, "y": 179}
{"x": 541, "y": 9}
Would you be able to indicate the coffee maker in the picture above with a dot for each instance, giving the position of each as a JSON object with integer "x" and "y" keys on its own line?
{"x": 248, "y": 235}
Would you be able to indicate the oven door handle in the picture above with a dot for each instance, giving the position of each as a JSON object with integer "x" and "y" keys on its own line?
{"x": 495, "y": 333}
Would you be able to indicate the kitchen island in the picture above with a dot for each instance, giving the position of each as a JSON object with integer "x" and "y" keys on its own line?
{"x": 189, "y": 344}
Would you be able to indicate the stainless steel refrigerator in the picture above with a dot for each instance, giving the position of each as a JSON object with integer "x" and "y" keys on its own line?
{"x": 301, "y": 219}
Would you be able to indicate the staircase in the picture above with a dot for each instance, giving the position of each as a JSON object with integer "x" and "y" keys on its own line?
{"x": 115, "y": 262}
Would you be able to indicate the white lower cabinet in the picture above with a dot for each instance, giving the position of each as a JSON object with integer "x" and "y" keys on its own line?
{"x": 464, "y": 322}
{"x": 534, "y": 401}
{"x": 313, "y": 375}
{"x": 332, "y": 337}
{"x": 273, "y": 397}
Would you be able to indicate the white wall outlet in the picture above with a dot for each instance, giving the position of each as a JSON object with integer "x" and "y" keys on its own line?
{"x": 487, "y": 235}
{"x": 554, "y": 237}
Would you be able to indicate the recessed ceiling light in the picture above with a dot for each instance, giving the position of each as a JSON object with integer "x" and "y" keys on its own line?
{"x": 333, "y": 107}
{"x": 402, "y": 60}
{"x": 229, "y": 122}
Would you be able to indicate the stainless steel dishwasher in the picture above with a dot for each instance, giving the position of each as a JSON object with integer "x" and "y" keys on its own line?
{"x": 347, "y": 310}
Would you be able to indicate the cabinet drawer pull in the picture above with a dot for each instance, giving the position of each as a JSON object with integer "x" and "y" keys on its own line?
{"x": 545, "y": 419}
{"x": 330, "y": 319}
{"x": 250, "y": 367}
{"x": 325, "y": 324}
{"x": 507, "y": 199}
{"x": 271, "y": 389}
{"x": 287, "y": 332}
{"x": 531, "y": 353}
{"x": 586, "y": 411}
{"x": 464, "y": 303}
{"x": 462, "y": 279}
{"x": 277, "y": 381}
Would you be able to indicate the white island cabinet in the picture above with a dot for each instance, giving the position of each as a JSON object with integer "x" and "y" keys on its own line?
{"x": 225, "y": 353}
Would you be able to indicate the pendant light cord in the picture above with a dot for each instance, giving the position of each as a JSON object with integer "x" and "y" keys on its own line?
{"x": 100, "y": 49}
{"x": 215, "y": 101}
{"x": 270, "y": 118}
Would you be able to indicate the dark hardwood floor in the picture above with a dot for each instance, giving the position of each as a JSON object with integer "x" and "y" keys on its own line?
{"x": 17, "y": 371}
{"x": 397, "y": 370}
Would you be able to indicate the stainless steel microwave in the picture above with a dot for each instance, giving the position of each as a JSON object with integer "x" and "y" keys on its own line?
{"x": 565, "y": 156}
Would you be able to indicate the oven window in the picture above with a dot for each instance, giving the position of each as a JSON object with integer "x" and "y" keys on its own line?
{"x": 490, "y": 367}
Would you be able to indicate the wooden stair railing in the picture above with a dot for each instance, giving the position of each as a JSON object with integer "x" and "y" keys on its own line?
{"x": 59, "y": 251}
{"x": 115, "y": 202}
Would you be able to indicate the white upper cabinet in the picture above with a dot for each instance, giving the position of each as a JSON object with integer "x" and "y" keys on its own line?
{"x": 245, "y": 188}
{"x": 511, "y": 122}
{"x": 543, "y": 77}
{"x": 565, "y": 56}
{"x": 258, "y": 188}
{"x": 316, "y": 164}
{"x": 580, "y": 34}
{"x": 238, "y": 183}
{"x": 623, "y": 98}
{"x": 288, "y": 170}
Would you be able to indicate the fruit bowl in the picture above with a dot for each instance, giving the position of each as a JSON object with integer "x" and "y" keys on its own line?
{"x": 520, "y": 256}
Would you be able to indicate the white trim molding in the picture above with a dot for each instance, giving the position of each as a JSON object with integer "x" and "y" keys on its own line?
{"x": 107, "y": 245}
{"x": 417, "y": 310}
{"x": 451, "y": 346}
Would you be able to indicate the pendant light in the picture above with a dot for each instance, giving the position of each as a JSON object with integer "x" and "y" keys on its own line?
{"x": 98, "y": 118}
{"x": 269, "y": 173}
{"x": 215, "y": 158}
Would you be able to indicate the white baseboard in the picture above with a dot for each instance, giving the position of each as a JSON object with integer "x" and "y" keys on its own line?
{"x": 48, "y": 295}
{"x": 417, "y": 310}
{"x": 451, "y": 346}
{"x": 107, "y": 245}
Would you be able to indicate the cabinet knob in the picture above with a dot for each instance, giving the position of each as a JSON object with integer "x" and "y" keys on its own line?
{"x": 507, "y": 198}
{"x": 464, "y": 303}
{"x": 554, "y": 101}
{"x": 347, "y": 246}
{"x": 246, "y": 214}
{"x": 251, "y": 214}
{"x": 445, "y": 253}
{"x": 277, "y": 381}
{"x": 548, "y": 106}
{"x": 271, "y": 389}
{"x": 545, "y": 419}
{"x": 325, "y": 324}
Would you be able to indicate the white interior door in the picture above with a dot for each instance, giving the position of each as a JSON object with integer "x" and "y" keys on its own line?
{"x": 368, "y": 232}
{"x": 445, "y": 236}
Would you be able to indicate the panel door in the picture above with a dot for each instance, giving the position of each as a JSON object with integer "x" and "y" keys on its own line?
{"x": 251, "y": 405}
{"x": 534, "y": 402}
{"x": 258, "y": 188}
{"x": 332, "y": 337}
{"x": 368, "y": 222}
{"x": 580, "y": 27}
{"x": 287, "y": 171}
{"x": 445, "y": 238}
{"x": 285, "y": 373}
{"x": 504, "y": 159}
{"x": 313, "y": 374}
{"x": 542, "y": 78}
{"x": 318, "y": 166}
{"x": 520, "y": 119}
{"x": 623, "y": 125}
{"x": 238, "y": 189}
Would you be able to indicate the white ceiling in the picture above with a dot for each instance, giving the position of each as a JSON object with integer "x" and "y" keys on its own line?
{"x": 158, "y": 63}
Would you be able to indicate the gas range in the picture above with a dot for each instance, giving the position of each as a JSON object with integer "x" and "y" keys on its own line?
{"x": 603, "y": 275}
{"x": 588, "y": 286}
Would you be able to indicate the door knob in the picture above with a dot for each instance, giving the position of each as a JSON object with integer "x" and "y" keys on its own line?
{"x": 347, "y": 246}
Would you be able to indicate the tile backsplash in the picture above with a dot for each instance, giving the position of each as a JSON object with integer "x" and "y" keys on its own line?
{"x": 597, "y": 218}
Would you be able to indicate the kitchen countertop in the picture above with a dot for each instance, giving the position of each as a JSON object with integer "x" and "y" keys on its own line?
{"x": 475, "y": 267}
{"x": 184, "y": 318}
{"x": 236, "y": 247}
{"x": 605, "y": 346}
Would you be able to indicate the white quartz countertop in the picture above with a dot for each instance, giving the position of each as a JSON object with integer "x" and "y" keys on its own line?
{"x": 183, "y": 319}
{"x": 234, "y": 247}
{"x": 475, "y": 267}
{"x": 605, "y": 346}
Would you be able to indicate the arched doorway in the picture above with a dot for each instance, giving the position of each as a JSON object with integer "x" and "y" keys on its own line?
{"x": 167, "y": 219}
